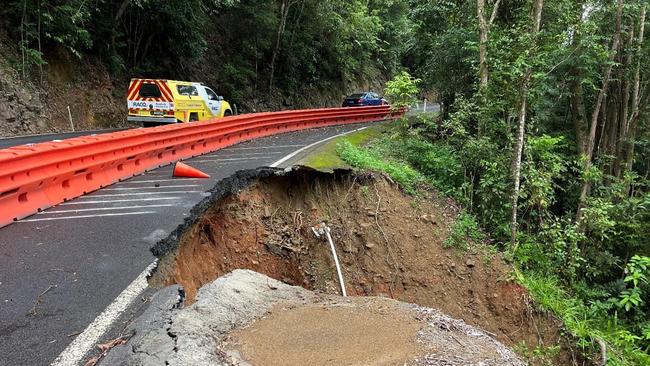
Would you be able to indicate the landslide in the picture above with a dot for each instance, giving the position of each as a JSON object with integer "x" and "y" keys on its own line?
{"x": 389, "y": 244}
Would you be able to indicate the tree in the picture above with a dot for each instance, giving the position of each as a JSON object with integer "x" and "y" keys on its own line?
{"x": 484, "y": 31}
{"x": 521, "y": 125}
{"x": 591, "y": 138}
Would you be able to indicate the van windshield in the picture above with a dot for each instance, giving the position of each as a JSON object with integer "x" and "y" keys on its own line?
{"x": 148, "y": 90}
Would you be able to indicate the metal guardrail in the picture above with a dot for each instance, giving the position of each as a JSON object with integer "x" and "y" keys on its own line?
{"x": 33, "y": 178}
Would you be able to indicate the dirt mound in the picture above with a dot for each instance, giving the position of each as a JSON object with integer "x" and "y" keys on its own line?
{"x": 361, "y": 331}
{"x": 389, "y": 245}
{"x": 322, "y": 335}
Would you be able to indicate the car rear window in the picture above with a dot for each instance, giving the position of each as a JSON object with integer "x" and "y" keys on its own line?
{"x": 358, "y": 95}
{"x": 187, "y": 90}
{"x": 148, "y": 90}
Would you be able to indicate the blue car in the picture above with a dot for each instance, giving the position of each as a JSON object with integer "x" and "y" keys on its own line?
{"x": 363, "y": 99}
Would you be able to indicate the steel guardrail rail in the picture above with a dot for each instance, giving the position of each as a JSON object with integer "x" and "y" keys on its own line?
{"x": 35, "y": 177}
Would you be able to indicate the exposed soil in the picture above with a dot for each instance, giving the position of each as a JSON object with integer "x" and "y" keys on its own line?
{"x": 389, "y": 244}
{"x": 320, "y": 335}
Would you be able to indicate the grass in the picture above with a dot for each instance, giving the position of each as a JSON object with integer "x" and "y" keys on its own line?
{"x": 326, "y": 156}
{"x": 361, "y": 158}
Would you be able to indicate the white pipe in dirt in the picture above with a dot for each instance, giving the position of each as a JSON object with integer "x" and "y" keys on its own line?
{"x": 336, "y": 261}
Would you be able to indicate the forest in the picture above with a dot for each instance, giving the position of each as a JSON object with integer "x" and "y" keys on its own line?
{"x": 542, "y": 135}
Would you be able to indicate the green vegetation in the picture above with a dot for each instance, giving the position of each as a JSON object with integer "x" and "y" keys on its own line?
{"x": 325, "y": 157}
{"x": 590, "y": 269}
{"x": 464, "y": 231}
{"x": 358, "y": 157}
{"x": 250, "y": 49}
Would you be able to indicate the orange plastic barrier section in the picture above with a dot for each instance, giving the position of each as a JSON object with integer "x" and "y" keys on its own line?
{"x": 35, "y": 177}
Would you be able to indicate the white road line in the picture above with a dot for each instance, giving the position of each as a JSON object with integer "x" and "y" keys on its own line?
{"x": 232, "y": 155}
{"x": 226, "y": 159}
{"x": 277, "y": 163}
{"x": 88, "y": 216}
{"x": 111, "y": 201}
{"x": 137, "y": 194}
{"x": 161, "y": 187}
{"x": 49, "y": 212}
{"x": 260, "y": 147}
{"x": 87, "y": 340}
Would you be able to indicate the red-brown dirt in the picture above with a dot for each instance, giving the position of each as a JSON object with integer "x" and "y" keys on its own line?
{"x": 389, "y": 244}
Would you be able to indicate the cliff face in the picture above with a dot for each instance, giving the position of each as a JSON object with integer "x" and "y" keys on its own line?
{"x": 39, "y": 104}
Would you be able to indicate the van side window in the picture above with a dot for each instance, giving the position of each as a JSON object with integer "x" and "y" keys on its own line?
{"x": 187, "y": 90}
{"x": 149, "y": 90}
{"x": 211, "y": 95}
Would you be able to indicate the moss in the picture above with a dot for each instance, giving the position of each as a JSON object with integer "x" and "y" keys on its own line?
{"x": 326, "y": 158}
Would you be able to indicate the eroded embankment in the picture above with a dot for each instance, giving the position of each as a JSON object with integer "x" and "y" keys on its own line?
{"x": 389, "y": 244}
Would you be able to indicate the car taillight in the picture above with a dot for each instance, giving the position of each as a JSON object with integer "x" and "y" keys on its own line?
{"x": 359, "y": 100}
{"x": 170, "y": 113}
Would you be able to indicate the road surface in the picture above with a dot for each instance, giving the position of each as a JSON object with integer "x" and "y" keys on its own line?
{"x": 61, "y": 268}
{"x": 34, "y": 139}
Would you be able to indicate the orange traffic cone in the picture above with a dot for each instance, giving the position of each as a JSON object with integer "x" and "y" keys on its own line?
{"x": 183, "y": 170}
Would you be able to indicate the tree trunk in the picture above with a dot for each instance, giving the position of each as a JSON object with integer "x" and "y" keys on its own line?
{"x": 116, "y": 19}
{"x": 484, "y": 31}
{"x": 296, "y": 25}
{"x": 586, "y": 184}
{"x": 578, "y": 114}
{"x": 22, "y": 36}
{"x": 629, "y": 133}
{"x": 521, "y": 128}
{"x": 625, "y": 103}
{"x": 284, "y": 13}
{"x": 483, "y": 38}
{"x": 576, "y": 98}
{"x": 40, "y": 49}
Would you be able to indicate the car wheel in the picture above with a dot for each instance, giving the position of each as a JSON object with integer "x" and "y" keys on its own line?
{"x": 227, "y": 113}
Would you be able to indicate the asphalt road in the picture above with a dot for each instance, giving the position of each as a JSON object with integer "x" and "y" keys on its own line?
{"x": 60, "y": 268}
{"x": 34, "y": 139}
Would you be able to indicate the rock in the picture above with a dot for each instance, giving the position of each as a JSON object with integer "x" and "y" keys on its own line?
{"x": 470, "y": 263}
{"x": 370, "y": 245}
{"x": 275, "y": 249}
{"x": 151, "y": 344}
{"x": 350, "y": 249}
